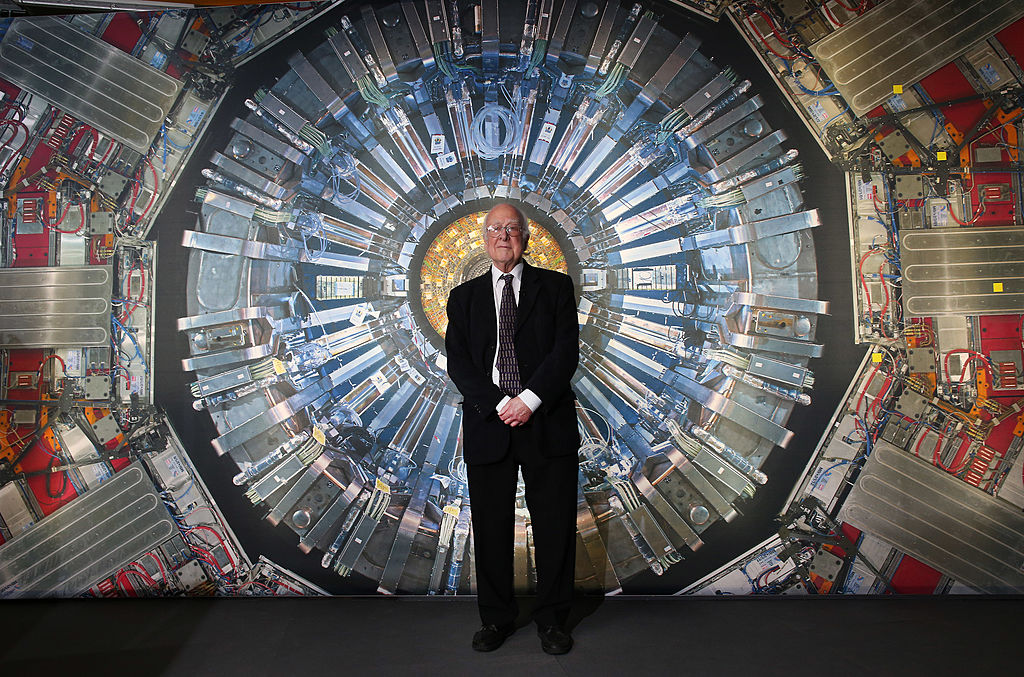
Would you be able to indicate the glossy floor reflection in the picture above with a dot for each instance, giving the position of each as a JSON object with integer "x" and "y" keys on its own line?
{"x": 619, "y": 635}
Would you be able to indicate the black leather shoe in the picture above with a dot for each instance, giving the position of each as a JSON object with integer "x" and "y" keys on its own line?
{"x": 490, "y": 637}
{"x": 554, "y": 640}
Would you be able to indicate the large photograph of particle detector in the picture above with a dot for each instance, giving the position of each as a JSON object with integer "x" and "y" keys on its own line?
{"x": 229, "y": 235}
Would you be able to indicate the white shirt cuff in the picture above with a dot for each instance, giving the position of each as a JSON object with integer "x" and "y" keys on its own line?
{"x": 530, "y": 399}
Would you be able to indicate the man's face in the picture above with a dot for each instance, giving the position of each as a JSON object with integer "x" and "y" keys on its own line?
{"x": 504, "y": 249}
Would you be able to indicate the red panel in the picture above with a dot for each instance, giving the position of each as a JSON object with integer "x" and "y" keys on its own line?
{"x": 1002, "y": 333}
{"x": 999, "y": 208}
{"x": 38, "y": 485}
{"x": 1001, "y": 436}
{"x": 40, "y": 157}
{"x": 8, "y": 89}
{"x": 949, "y": 83}
{"x": 1012, "y": 39}
{"x": 32, "y": 250}
{"x": 123, "y": 32}
{"x": 120, "y": 464}
{"x": 915, "y": 578}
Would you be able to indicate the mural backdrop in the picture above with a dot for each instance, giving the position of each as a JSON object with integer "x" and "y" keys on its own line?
{"x": 229, "y": 237}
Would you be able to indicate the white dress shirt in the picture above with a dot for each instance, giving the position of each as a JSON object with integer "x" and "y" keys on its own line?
{"x": 528, "y": 397}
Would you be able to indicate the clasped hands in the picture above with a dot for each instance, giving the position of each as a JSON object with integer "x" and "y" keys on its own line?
{"x": 515, "y": 412}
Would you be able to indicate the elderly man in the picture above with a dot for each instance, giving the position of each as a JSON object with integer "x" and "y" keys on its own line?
{"x": 513, "y": 346}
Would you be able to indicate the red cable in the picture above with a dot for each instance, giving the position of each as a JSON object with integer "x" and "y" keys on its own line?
{"x": 159, "y": 564}
{"x": 265, "y": 587}
{"x": 218, "y": 537}
{"x": 885, "y": 288}
{"x": 106, "y": 153}
{"x": 142, "y": 292}
{"x": 24, "y": 143}
{"x": 863, "y": 283}
{"x": 917, "y": 447}
{"x": 856, "y": 409}
{"x": 765, "y": 42}
{"x": 81, "y": 223}
{"x": 882, "y": 392}
{"x": 937, "y": 458}
{"x": 830, "y": 15}
{"x": 974, "y": 355}
{"x": 152, "y": 195}
{"x": 975, "y": 217}
{"x": 771, "y": 24}
{"x": 207, "y": 557}
{"x": 858, "y": 9}
{"x": 63, "y": 366}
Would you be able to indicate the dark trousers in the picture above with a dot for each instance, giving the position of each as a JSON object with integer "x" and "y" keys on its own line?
{"x": 551, "y": 497}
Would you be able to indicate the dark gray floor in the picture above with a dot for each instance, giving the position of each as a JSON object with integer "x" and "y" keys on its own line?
{"x": 418, "y": 636}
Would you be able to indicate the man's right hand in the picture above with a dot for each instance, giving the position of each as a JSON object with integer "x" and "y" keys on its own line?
{"x": 515, "y": 412}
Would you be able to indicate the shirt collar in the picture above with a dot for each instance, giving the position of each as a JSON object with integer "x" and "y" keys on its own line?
{"x": 517, "y": 274}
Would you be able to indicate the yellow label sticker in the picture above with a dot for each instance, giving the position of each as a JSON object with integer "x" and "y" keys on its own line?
{"x": 452, "y": 509}
{"x": 381, "y": 486}
{"x": 876, "y": 357}
{"x": 997, "y": 286}
{"x": 941, "y": 155}
{"x": 279, "y": 367}
{"x": 897, "y": 89}
{"x": 319, "y": 436}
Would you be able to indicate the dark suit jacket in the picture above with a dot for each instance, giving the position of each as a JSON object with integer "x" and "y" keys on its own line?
{"x": 547, "y": 347}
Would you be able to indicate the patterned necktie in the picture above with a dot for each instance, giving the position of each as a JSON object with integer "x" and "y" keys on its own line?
{"x": 508, "y": 364}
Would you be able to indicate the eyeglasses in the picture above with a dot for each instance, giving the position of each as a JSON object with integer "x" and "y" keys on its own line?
{"x": 511, "y": 231}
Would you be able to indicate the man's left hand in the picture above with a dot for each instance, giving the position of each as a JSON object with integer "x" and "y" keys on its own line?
{"x": 515, "y": 412}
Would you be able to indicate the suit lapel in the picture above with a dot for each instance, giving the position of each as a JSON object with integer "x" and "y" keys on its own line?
{"x": 486, "y": 291}
{"x": 529, "y": 287}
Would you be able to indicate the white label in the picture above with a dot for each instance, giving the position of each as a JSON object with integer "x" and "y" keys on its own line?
{"x": 989, "y": 74}
{"x": 856, "y": 582}
{"x": 897, "y": 103}
{"x": 73, "y": 362}
{"x": 175, "y": 465}
{"x": 445, "y": 161}
{"x": 547, "y": 132}
{"x": 436, "y": 143}
{"x": 379, "y": 382}
{"x": 865, "y": 191}
{"x": 939, "y": 214}
{"x": 827, "y": 479}
{"x": 358, "y": 315}
{"x": 817, "y": 112}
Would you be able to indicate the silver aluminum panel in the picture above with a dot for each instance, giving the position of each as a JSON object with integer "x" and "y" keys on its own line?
{"x": 730, "y": 409}
{"x": 271, "y": 417}
{"x": 565, "y": 15}
{"x": 55, "y": 307}
{"x": 898, "y": 43}
{"x": 595, "y": 551}
{"x": 380, "y": 47}
{"x": 490, "y": 40}
{"x": 412, "y": 517}
{"x": 974, "y": 538}
{"x": 963, "y": 271}
{"x": 87, "y": 540}
{"x": 88, "y": 78}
